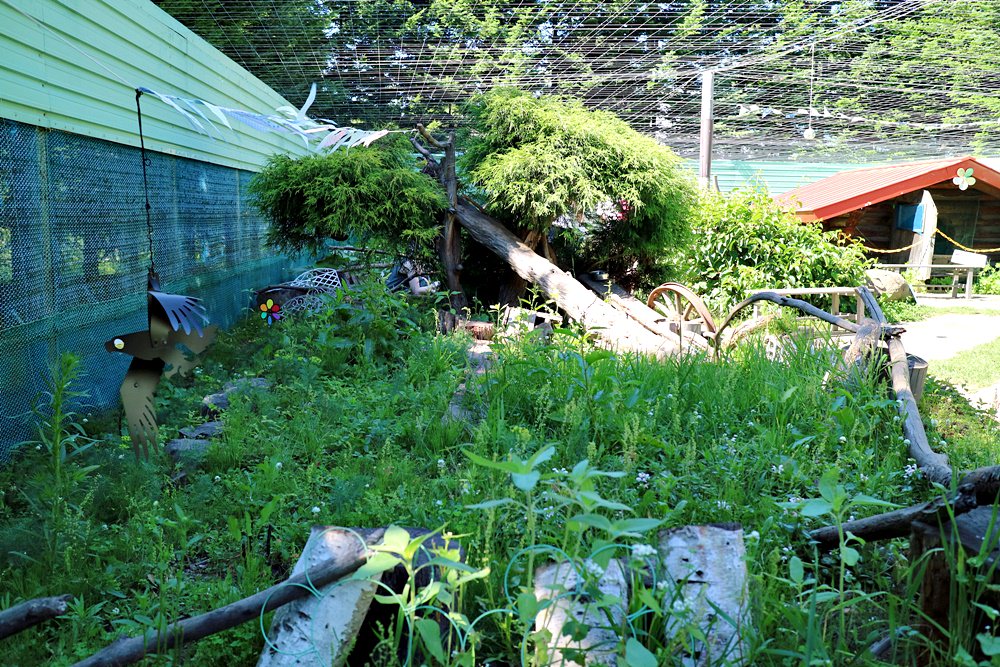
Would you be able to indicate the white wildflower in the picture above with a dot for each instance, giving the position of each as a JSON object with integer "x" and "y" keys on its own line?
{"x": 640, "y": 551}
{"x": 679, "y": 607}
{"x": 778, "y": 469}
{"x": 439, "y": 503}
{"x": 723, "y": 505}
{"x": 642, "y": 479}
{"x": 593, "y": 569}
{"x": 218, "y": 479}
{"x": 278, "y": 465}
{"x": 910, "y": 470}
{"x": 315, "y": 510}
{"x": 842, "y": 438}
{"x": 441, "y": 464}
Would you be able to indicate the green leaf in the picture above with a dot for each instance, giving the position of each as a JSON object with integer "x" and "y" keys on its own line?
{"x": 505, "y": 466}
{"x": 527, "y": 606}
{"x": 816, "y": 507}
{"x": 634, "y": 527}
{"x": 489, "y": 504}
{"x": 592, "y": 520}
{"x": 430, "y": 633}
{"x": 828, "y": 485}
{"x": 378, "y": 563}
{"x": 637, "y": 655}
{"x": 850, "y": 556}
{"x": 395, "y": 540}
{"x": 989, "y": 644}
{"x": 541, "y": 456}
{"x": 526, "y": 481}
{"x": 862, "y": 499}
{"x": 795, "y": 570}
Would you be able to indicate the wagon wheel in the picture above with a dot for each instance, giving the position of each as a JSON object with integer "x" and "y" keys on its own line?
{"x": 684, "y": 310}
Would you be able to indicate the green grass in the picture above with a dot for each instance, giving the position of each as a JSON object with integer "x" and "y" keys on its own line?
{"x": 577, "y": 449}
{"x": 974, "y": 369}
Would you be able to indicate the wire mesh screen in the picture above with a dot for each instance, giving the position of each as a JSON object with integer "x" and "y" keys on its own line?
{"x": 74, "y": 254}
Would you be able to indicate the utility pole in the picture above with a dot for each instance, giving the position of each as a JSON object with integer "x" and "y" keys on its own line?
{"x": 705, "y": 138}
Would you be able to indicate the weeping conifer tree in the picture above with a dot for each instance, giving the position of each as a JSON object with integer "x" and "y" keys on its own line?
{"x": 581, "y": 186}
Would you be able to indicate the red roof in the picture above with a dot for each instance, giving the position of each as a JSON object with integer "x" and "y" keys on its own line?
{"x": 851, "y": 190}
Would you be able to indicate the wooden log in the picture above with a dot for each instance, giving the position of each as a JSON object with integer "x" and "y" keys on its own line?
{"x": 934, "y": 465}
{"x": 612, "y": 326}
{"x": 128, "y": 650}
{"x": 896, "y": 523}
{"x": 561, "y": 585}
{"x": 978, "y": 534}
{"x": 984, "y": 483}
{"x": 30, "y": 613}
{"x": 708, "y": 564}
{"x": 637, "y": 310}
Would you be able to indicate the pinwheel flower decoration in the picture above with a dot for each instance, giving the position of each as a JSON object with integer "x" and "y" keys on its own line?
{"x": 270, "y": 311}
{"x": 964, "y": 179}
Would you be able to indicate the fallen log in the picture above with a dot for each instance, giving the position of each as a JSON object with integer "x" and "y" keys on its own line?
{"x": 934, "y": 465}
{"x": 897, "y": 523}
{"x": 613, "y": 327}
{"x": 128, "y": 650}
{"x": 30, "y": 613}
{"x": 637, "y": 310}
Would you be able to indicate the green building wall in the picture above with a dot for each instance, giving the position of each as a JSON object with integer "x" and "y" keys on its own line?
{"x": 79, "y": 75}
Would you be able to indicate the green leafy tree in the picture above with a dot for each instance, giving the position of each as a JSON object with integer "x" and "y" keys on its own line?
{"x": 745, "y": 242}
{"x": 372, "y": 193}
{"x": 551, "y": 167}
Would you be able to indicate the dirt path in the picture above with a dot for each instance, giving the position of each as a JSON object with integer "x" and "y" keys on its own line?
{"x": 946, "y": 335}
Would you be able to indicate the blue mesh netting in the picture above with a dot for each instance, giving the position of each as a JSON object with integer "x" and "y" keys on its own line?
{"x": 74, "y": 255}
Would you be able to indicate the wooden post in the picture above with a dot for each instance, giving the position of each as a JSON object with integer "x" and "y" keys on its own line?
{"x": 923, "y": 252}
{"x": 449, "y": 245}
{"x": 705, "y": 140}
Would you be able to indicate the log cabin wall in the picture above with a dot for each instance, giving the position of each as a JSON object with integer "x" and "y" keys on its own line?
{"x": 874, "y": 224}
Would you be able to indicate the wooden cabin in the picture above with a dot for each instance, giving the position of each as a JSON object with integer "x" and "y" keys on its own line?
{"x": 901, "y": 205}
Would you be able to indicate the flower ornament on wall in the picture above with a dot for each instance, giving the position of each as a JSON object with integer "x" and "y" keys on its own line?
{"x": 270, "y": 311}
{"x": 964, "y": 179}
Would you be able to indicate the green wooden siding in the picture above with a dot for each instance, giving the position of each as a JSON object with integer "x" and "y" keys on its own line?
{"x": 80, "y": 71}
{"x": 777, "y": 177}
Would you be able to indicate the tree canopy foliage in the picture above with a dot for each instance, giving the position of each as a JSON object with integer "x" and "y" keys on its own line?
{"x": 372, "y": 193}
{"x": 546, "y": 163}
{"x": 872, "y": 78}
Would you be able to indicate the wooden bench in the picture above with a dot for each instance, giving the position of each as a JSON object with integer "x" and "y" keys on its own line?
{"x": 960, "y": 264}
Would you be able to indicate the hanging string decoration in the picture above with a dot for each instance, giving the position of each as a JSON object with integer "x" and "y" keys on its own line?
{"x": 317, "y": 134}
{"x": 174, "y": 323}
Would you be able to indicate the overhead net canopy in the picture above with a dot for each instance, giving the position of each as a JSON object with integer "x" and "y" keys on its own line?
{"x": 811, "y": 80}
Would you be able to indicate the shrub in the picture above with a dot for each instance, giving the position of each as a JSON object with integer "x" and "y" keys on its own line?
{"x": 745, "y": 242}
{"x": 370, "y": 193}
{"x": 988, "y": 281}
{"x": 547, "y": 162}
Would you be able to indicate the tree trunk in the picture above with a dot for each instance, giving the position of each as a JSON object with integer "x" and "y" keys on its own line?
{"x": 451, "y": 246}
{"x": 514, "y": 287}
{"x": 582, "y": 305}
{"x": 27, "y": 614}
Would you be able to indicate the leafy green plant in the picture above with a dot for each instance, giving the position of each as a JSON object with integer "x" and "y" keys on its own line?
{"x": 744, "y": 242}
{"x": 546, "y": 164}
{"x": 368, "y": 193}
{"x": 988, "y": 280}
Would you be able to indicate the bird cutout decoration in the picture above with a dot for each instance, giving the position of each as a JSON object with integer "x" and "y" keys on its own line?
{"x": 174, "y": 320}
